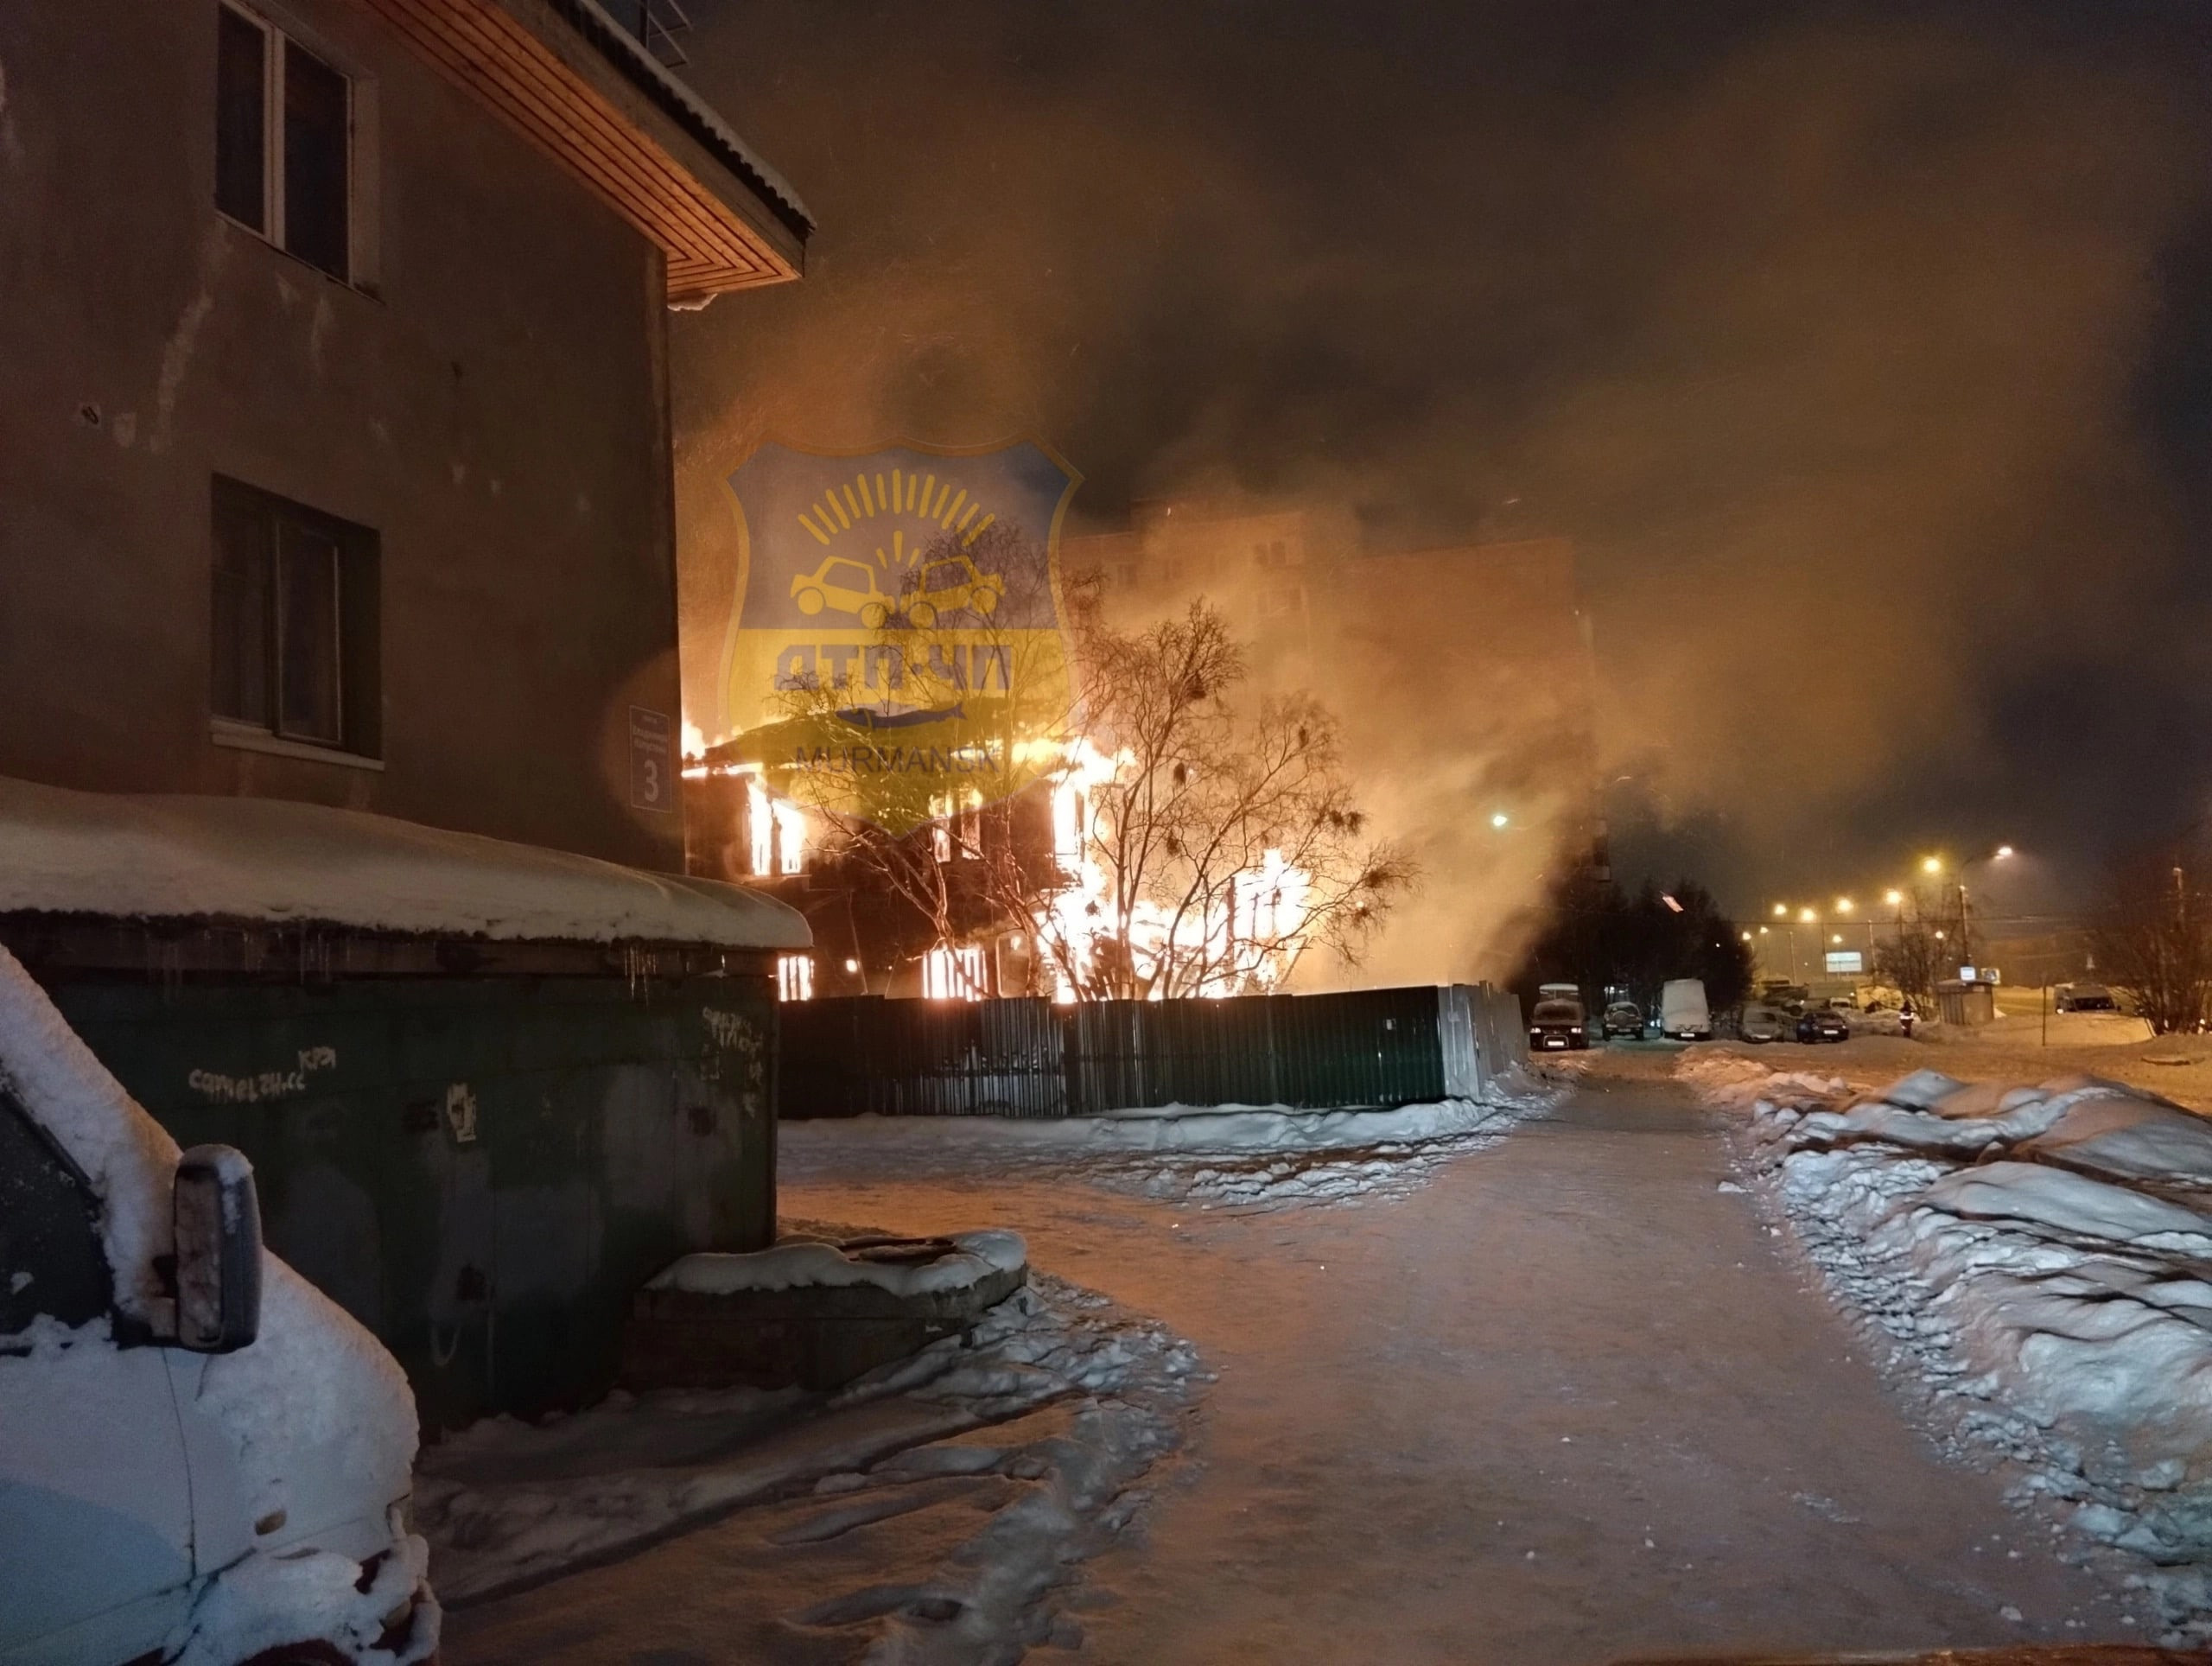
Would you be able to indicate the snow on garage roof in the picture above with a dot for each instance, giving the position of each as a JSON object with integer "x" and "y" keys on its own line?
{"x": 179, "y": 857}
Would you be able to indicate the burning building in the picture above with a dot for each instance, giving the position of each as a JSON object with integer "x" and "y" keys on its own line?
{"x": 1461, "y": 681}
{"x": 1463, "y": 675}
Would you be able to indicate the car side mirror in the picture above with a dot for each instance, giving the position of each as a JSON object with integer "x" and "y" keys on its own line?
{"x": 218, "y": 1222}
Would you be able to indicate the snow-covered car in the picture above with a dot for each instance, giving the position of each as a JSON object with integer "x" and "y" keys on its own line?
{"x": 203, "y": 1461}
{"x": 1622, "y": 1018}
{"x": 1762, "y": 1023}
{"x": 1684, "y": 1013}
{"x": 1824, "y": 1024}
{"x": 2085, "y": 998}
{"x": 1558, "y": 1025}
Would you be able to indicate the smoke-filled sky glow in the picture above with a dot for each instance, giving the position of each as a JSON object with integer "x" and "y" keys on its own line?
{"x": 1865, "y": 352}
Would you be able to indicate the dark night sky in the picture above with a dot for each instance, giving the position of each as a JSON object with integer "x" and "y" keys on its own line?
{"x": 1865, "y": 351}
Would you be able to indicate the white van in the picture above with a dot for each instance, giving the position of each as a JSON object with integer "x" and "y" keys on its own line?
{"x": 1684, "y": 1014}
{"x": 203, "y": 1461}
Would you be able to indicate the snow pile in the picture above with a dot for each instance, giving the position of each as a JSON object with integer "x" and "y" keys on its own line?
{"x": 178, "y": 857}
{"x": 1260, "y": 1156}
{"x": 933, "y": 1510}
{"x": 2040, "y": 1258}
{"x": 798, "y": 1263}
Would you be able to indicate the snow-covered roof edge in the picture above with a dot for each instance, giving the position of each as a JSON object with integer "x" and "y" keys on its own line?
{"x": 179, "y": 857}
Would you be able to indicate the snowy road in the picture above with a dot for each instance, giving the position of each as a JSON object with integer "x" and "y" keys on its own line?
{"x": 1565, "y": 1403}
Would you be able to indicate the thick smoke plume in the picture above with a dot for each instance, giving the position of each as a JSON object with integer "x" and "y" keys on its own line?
{"x": 1861, "y": 350}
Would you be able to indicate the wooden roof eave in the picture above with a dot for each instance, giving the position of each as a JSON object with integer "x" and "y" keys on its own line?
{"x": 533, "y": 70}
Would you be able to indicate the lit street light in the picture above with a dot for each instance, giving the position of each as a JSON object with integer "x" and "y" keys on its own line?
{"x": 1931, "y": 864}
{"x": 1499, "y": 819}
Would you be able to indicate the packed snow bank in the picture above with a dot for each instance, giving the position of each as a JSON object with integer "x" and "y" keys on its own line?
{"x": 935, "y": 1510}
{"x": 1264, "y": 1156}
{"x": 812, "y": 1264}
{"x": 2039, "y": 1257}
{"x": 177, "y": 856}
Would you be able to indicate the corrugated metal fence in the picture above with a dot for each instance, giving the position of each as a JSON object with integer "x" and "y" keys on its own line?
{"x": 1029, "y": 1058}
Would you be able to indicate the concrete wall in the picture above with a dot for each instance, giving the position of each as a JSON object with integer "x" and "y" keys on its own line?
{"x": 496, "y": 409}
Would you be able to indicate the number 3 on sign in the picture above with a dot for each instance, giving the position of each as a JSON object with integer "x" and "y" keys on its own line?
{"x": 649, "y": 759}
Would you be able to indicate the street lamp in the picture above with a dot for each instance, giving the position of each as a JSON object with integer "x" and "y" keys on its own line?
{"x": 1499, "y": 819}
{"x": 1781, "y": 911}
{"x": 1931, "y": 865}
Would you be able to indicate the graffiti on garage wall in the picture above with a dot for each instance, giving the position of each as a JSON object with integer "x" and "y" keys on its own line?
{"x": 739, "y": 1033}
{"x": 218, "y": 1089}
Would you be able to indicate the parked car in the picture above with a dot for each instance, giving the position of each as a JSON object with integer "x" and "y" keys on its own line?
{"x": 1762, "y": 1023}
{"x": 1624, "y": 1018}
{"x": 1823, "y": 1024}
{"x": 2085, "y": 998}
{"x": 1558, "y": 1025}
{"x": 1684, "y": 1014}
{"x": 203, "y": 1456}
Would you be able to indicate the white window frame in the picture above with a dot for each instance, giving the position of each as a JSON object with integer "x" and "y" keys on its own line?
{"x": 362, "y": 123}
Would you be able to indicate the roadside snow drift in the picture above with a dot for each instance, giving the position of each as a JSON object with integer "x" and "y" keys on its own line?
{"x": 2041, "y": 1257}
{"x": 1259, "y": 1157}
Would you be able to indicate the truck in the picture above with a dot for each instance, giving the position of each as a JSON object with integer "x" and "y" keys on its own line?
{"x": 1684, "y": 1014}
{"x": 203, "y": 1460}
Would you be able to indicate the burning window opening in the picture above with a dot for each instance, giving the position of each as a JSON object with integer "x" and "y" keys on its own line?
{"x": 794, "y": 977}
{"x": 954, "y": 972}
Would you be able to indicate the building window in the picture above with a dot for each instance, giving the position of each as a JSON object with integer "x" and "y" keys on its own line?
{"x": 954, "y": 972}
{"x": 794, "y": 977}
{"x": 284, "y": 141}
{"x": 294, "y": 621}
